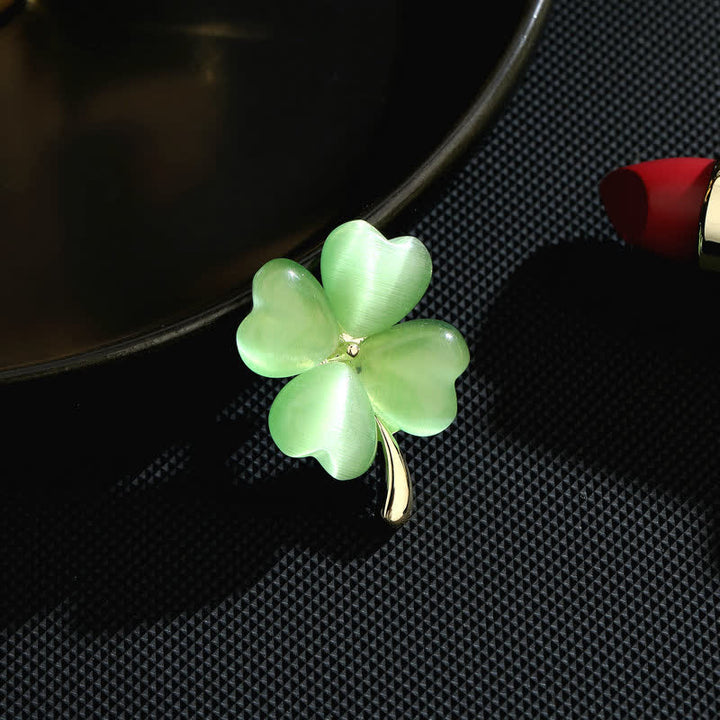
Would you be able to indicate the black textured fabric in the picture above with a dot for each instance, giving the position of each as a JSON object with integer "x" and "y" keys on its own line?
{"x": 159, "y": 558}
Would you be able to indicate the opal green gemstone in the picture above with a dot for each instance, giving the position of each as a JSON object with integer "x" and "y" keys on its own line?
{"x": 409, "y": 374}
{"x": 326, "y": 413}
{"x": 372, "y": 282}
{"x": 291, "y": 327}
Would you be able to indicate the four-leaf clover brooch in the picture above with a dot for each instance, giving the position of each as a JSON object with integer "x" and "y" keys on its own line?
{"x": 362, "y": 375}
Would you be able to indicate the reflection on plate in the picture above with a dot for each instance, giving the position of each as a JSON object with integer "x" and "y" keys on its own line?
{"x": 154, "y": 154}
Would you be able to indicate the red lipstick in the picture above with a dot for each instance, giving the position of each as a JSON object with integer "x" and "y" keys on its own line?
{"x": 667, "y": 206}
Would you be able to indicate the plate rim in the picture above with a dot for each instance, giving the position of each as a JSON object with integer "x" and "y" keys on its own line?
{"x": 479, "y": 115}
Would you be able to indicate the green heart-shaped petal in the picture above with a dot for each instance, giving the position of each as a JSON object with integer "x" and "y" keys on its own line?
{"x": 409, "y": 372}
{"x": 291, "y": 327}
{"x": 326, "y": 413}
{"x": 372, "y": 282}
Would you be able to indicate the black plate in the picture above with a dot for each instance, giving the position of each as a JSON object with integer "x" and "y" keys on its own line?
{"x": 153, "y": 154}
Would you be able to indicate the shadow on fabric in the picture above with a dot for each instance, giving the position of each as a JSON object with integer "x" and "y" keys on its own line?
{"x": 612, "y": 357}
{"x": 129, "y": 494}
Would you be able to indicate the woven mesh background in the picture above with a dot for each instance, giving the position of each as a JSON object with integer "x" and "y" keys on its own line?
{"x": 159, "y": 558}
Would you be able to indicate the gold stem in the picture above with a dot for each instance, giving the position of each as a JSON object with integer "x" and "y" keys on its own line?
{"x": 399, "y": 499}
